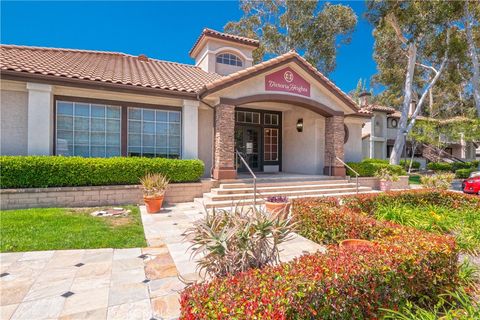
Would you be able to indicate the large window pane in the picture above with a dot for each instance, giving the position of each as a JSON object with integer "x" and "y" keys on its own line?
{"x": 154, "y": 133}
{"x": 85, "y": 129}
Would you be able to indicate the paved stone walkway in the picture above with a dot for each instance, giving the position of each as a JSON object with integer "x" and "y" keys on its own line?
{"x": 137, "y": 283}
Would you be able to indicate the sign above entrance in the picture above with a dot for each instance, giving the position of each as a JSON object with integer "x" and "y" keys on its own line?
{"x": 287, "y": 80}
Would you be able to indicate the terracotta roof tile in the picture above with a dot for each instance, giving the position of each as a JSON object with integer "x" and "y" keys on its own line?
{"x": 376, "y": 107}
{"x": 289, "y": 55}
{"x": 224, "y": 36}
{"x": 111, "y": 67}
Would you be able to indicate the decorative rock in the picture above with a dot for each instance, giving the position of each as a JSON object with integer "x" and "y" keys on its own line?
{"x": 111, "y": 212}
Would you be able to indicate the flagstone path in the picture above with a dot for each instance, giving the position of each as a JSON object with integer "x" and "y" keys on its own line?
{"x": 137, "y": 283}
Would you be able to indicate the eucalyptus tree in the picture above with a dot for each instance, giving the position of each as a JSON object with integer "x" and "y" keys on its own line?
{"x": 414, "y": 42}
{"x": 316, "y": 31}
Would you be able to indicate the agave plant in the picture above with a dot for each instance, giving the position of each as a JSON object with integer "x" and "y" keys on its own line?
{"x": 227, "y": 242}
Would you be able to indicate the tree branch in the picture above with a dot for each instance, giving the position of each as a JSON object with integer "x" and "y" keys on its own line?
{"x": 394, "y": 23}
{"x": 426, "y": 67}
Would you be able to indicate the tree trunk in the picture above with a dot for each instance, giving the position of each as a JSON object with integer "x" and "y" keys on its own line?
{"x": 402, "y": 125}
{"x": 474, "y": 56}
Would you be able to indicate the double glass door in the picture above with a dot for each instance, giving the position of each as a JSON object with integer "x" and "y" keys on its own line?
{"x": 247, "y": 142}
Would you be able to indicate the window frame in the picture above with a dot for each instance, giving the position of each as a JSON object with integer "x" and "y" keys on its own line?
{"x": 124, "y": 105}
{"x": 238, "y": 62}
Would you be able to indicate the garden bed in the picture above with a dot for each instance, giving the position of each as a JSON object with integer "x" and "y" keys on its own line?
{"x": 404, "y": 265}
{"x": 56, "y": 228}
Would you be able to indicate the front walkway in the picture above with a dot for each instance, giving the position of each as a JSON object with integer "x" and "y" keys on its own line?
{"x": 137, "y": 283}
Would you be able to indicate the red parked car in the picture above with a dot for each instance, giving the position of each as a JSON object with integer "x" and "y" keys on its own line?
{"x": 472, "y": 183}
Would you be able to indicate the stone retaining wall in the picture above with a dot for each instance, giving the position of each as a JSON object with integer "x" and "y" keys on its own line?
{"x": 374, "y": 183}
{"x": 95, "y": 196}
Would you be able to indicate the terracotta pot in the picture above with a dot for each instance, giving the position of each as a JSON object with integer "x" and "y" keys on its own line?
{"x": 278, "y": 207}
{"x": 385, "y": 185}
{"x": 355, "y": 243}
{"x": 153, "y": 203}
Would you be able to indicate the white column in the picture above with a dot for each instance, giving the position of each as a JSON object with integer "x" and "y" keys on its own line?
{"x": 40, "y": 119}
{"x": 190, "y": 129}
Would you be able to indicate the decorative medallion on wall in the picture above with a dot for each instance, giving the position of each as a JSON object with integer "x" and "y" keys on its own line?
{"x": 287, "y": 80}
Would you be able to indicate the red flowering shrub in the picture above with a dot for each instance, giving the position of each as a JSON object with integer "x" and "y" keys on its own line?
{"x": 404, "y": 264}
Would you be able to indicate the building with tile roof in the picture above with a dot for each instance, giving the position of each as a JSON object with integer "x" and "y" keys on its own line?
{"x": 281, "y": 114}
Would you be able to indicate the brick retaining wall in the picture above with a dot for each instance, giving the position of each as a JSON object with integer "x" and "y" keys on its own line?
{"x": 95, "y": 196}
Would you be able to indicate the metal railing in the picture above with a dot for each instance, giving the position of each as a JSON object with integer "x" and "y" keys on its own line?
{"x": 239, "y": 155}
{"x": 346, "y": 165}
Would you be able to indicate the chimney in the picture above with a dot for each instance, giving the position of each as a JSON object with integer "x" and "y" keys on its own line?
{"x": 364, "y": 99}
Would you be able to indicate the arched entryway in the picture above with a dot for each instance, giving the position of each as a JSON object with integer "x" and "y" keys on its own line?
{"x": 259, "y": 133}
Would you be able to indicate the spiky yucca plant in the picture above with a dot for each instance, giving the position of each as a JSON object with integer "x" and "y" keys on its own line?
{"x": 227, "y": 242}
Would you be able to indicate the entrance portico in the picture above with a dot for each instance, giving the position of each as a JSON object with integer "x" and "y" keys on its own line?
{"x": 282, "y": 118}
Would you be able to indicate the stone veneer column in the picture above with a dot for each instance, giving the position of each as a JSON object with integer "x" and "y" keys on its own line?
{"x": 224, "y": 165}
{"x": 334, "y": 145}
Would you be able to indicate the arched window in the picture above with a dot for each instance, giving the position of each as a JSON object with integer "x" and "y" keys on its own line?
{"x": 230, "y": 59}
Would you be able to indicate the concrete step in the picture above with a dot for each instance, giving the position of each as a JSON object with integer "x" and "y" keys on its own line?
{"x": 261, "y": 184}
{"x": 282, "y": 188}
{"x": 249, "y": 201}
{"x": 241, "y": 196}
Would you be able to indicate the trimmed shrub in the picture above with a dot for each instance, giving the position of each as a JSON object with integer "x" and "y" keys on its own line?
{"x": 439, "y": 166}
{"x": 58, "y": 171}
{"x": 415, "y": 164}
{"x": 368, "y": 169}
{"x": 464, "y": 173}
{"x": 373, "y": 160}
{"x": 404, "y": 264}
{"x": 464, "y": 165}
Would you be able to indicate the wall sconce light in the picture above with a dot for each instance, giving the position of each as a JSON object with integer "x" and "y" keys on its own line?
{"x": 300, "y": 125}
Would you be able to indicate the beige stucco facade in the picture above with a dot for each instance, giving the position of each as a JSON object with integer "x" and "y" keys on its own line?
{"x": 331, "y": 125}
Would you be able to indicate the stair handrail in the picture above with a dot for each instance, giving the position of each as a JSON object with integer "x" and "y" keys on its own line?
{"x": 252, "y": 174}
{"x": 346, "y": 165}
{"x": 442, "y": 153}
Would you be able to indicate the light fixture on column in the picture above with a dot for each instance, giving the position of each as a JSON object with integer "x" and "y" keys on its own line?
{"x": 300, "y": 125}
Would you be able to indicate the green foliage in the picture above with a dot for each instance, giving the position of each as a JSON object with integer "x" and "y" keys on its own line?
{"x": 440, "y": 212}
{"x": 368, "y": 168}
{"x": 464, "y": 165}
{"x": 58, "y": 171}
{"x": 56, "y": 229}
{"x": 313, "y": 29}
{"x": 439, "y": 166}
{"x": 386, "y": 174}
{"x": 463, "y": 173}
{"x": 229, "y": 242}
{"x": 415, "y": 164}
{"x": 456, "y": 305}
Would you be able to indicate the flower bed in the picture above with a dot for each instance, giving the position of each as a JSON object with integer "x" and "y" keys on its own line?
{"x": 404, "y": 264}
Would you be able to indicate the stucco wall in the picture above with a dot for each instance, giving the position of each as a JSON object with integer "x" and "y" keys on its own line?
{"x": 205, "y": 138}
{"x": 353, "y": 147}
{"x": 303, "y": 152}
{"x": 14, "y": 122}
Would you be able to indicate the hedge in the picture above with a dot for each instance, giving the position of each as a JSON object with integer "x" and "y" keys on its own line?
{"x": 439, "y": 166}
{"x": 463, "y": 173}
{"x": 58, "y": 171}
{"x": 403, "y": 264}
{"x": 464, "y": 165}
{"x": 367, "y": 168}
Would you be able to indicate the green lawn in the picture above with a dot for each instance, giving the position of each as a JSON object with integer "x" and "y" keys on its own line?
{"x": 414, "y": 179}
{"x": 57, "y": 228}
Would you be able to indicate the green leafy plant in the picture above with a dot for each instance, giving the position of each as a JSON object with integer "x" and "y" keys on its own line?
{"x": 406, "y": 164}
{"x": 440, "y": 181}
{"x": 58, "y": 171}
{"x": 154, "y": 184}
{"x": 463, "y": 173}
{"x": 439, "y": 166}
{"x": 386, "y": 174}
{"x": 368, "y": 167}
{"x": 228, "y": 242}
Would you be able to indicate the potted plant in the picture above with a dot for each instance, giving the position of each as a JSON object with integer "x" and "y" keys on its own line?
{"x": 277, "y": 204}
{"x": 154, "y": 186}
{"x": 386, "y": 177}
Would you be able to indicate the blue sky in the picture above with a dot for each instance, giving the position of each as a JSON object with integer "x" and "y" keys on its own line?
{"x": 163, "y": 30}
